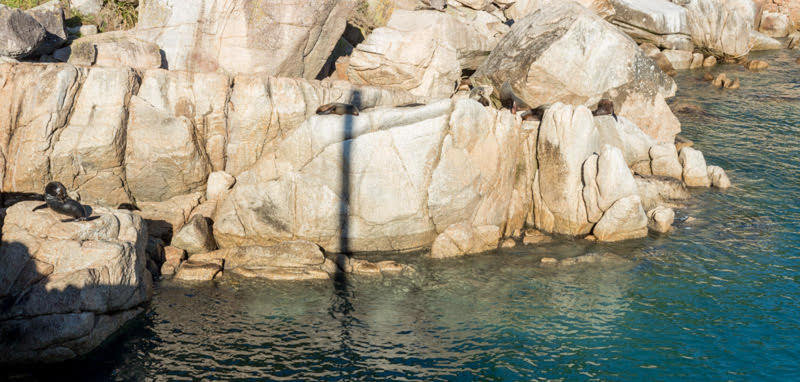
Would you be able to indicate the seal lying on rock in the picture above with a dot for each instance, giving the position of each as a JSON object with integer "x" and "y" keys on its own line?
{"x": 605, "y": 107}
{"x": 338, "y": 109}
{"x": 55, "y": 197}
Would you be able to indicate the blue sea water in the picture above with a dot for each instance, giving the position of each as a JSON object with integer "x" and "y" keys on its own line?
{"x": 717, "y": 299}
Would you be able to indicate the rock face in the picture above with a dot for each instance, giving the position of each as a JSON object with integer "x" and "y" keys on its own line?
{"x": 20, "y": 33}
{"x": 775, "y": 24}
{"x": 721, "y": 27}
{"x": 565, "y": 53}
{"x": 51, "y": 16}
{"x": 424, "y": 52}
{"x": 759, "y": 41}
{"x": 276, "y": 37}
{"x": 113, "y": 49}
{"x": 657, "y": 21}
{"x": 68, "y": 286}
{"x": 406, "y": 174}
{"x": 463, "y": 239}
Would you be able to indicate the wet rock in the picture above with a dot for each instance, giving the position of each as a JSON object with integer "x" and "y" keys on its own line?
{"x": 594, "y": 60}
{"x": 463, "y": 239}
{"x": 697, "y": 61}
{"x": 192, "y": 270}
{"x": 113, "y": 49}
{"x": 680, "y": 59}
{"x": 624, "y": 220}
{"x": 508, "y": 243}
{"x": 719, "y": 178}
{"x": 756, "y": 65}
{"x": 681, "y": 142}
{"x": 735, "y": 84}
{"x": 291, "y": 260}
{"x": 20, "y": 33}
{"x": 589, "y": 258}
{"x": 661, "y": 191}
{"x": 664, "y": 64}
{"x": 533, "y": 237}
{"x": 218, "y": 183}
{"x": 195, "y": 236}
{"x": 282, "y": 274}
{"x": 71, "y": 285}
{"x": 241, "y": 36}
{"x": 762, "y": 42}
{"x": 664, "y": 161}
{"x": 709, "y": 62}
{"x": 362, "y": 267}
{"x": 794, "y": 40}
{"x": 660, "y": 219}
{"x": 173, "y": 257}
{"x": 695, "y": 172}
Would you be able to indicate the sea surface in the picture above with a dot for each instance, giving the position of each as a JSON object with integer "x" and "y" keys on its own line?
{"x": 717, "y": 299}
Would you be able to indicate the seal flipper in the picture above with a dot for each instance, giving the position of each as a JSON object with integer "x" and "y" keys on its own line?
{"x": 39, "y": 207}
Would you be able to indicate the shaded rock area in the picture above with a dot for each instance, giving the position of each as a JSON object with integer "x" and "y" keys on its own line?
{"x": 66, "y": 287}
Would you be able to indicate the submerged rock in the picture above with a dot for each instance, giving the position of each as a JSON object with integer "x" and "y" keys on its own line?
{"x": 719, "y": 178}
{"x": 66, "y": 287}
{"x": 294, "y": 260}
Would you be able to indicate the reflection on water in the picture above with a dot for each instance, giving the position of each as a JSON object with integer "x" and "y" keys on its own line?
{"x": 716, "y": 300}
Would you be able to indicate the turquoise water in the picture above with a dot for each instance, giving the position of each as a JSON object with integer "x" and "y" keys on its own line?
{"x": 718, "y": 299}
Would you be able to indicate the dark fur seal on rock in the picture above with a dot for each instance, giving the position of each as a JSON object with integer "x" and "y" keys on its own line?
{"x": 479, "y": 94}
{"x": 55, "y": 197}
{"x": 533, "y": 114}
{"x": 605, "y": 107}
{"x": 338, "y": 109}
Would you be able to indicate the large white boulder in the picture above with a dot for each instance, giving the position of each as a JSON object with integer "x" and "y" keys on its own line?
{"x": 721, "y": 27}
{"x": 657, "y": 21}
{"x": 563, "y": 52}
{"x": 277, "y": 37}
{"x": 67, "y": 287}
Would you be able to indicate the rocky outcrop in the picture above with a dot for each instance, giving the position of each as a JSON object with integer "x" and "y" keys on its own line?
{"x": 276, "y": 37}
{"x": 291, "y": 260}
{"x": 775, "y": 24}
{"x": 759, "y": 41}
{"x": 112, "y": 49}
{"x": 66, "y": 287}
{"x": 20, "y": 33}
{"x": 721, "y": 27}
{"x": 656, "y": 21}
{"x": 51, "y": 16}
{"x": 463, "y": 239}
{"x": 695, "y": 172}
{"x": 660, "y": 219}
{"x": 565, "y": 53}
{"x": 424, "y": 52}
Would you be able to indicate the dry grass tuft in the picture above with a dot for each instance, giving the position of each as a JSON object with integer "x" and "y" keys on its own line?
{"x": 115, "y": 15}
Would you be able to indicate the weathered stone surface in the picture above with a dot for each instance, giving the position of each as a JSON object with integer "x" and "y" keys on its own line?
{"x": 291, "y": 260}
{"x": 114, "y": 49}
{"x": 533, "y": 236}
{"x": 409, "y": 173}
{"x": 163, "y": 157}
{"x": 87, "y": 7}
{"x": 165, "y": 218}
{"x": 565, "y": 53}
{"x": 195, "y": 236}
{"x": 192, "y": 270}
{"x": 660, "y": 191}
{"x": 775, "y": 24}
{"x": 218, "y": 183}
{"x": 173, "y": 257}
{"x": 709, "y": 61}
{"x": 719, "y": 178}
{"x": 721, "y": 27}
{"x": 71, "y": 285}
{"x": 624, "y": 220}
{"x": 20, "y": 33}
{"x": 660, "y": 219}
{"x": 89, "y": 154}
{"x": 664, "y": 161}
{"x": 657, "y": 21}
{"x": 463, "y": 239}
{"x": 51, "y": 16}
{"x": 424, "y": 52}
{"x": 624, "y": 135}
{"x": 277, "y": 37}
{"x": 697, "y": 61}
{"x": 759, "y": 41}
{"x": 565, "y": 141}
{"x": 695, "y": 172}
{"x": 680, "y": 59}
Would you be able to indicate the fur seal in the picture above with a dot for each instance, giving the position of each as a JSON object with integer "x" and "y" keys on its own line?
{"x": 510, "y": 100}
{"x": 605, "y": 107}
{"x": 55, "y": 197}
{"x": 338, "y": 109}
{"x": 478, "y": 93}
{"x": 533, "y": 114}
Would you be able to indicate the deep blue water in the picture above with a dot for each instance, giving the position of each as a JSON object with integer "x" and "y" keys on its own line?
{"x": 717, "y": 299}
